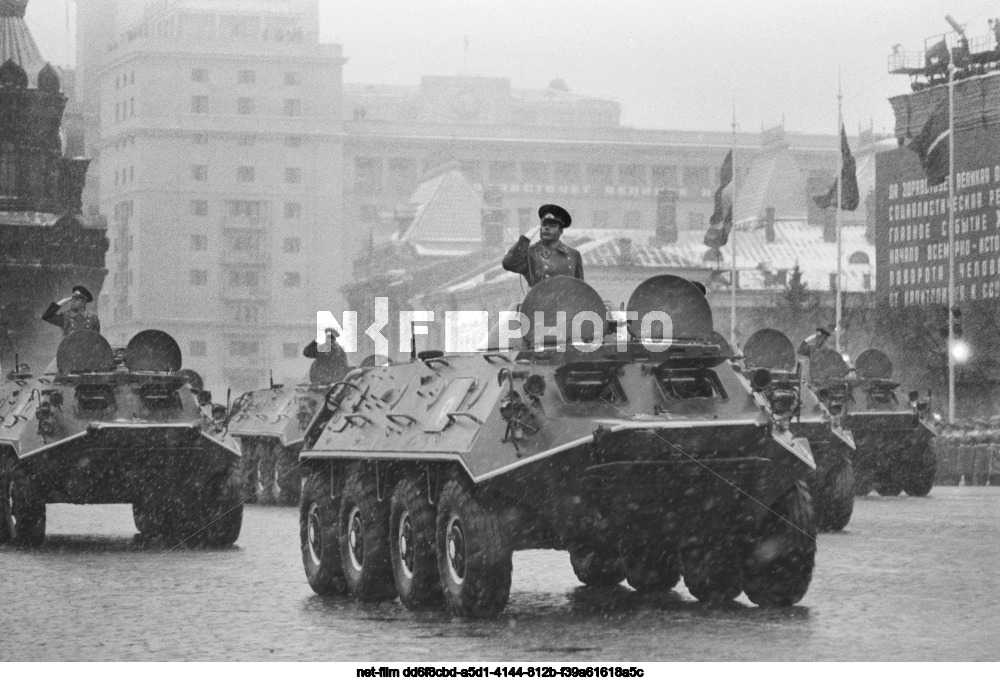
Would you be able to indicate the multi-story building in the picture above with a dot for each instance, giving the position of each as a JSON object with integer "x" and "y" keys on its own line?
{"x": 221, "y": 156}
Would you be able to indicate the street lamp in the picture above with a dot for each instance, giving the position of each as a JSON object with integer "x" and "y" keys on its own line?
{"x": 960, "y": 351}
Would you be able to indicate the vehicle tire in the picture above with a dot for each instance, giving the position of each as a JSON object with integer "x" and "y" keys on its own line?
{"x": 319, "y": 535}
{"x": 411, "y": 545}
{"x": 364, "y": 538}
{"x": 474, "y": 555}
{"x": 711, "y": 568}
{"x": 221, "y": 510}
{"x": 779, "y": 564}
{"x": 266, "y": 460}
{"x": 287, "y": 483}
{"x": 597, "y": 567}
{"x": 890, "y": 487}
{"x": 654, "y": 566}
{"x": 834, "y": 498}
{"x": 918, "y": 475}
{"x": 864, "y": 481}
{"x": 23, "y": 511}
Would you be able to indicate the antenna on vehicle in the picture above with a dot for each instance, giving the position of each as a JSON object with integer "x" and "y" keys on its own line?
{"x": 413, "y": 342}
{"x": 229, "y": 392}
{"x": 272, "y": 378}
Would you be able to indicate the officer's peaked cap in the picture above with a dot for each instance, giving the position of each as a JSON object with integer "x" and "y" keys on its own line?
{"x": 553, "y": 212}
{"x": 82, "y": 290}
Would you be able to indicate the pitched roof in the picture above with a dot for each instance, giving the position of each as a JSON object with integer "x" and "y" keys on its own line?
{"x": 447, "y": 217}
{"x": 17, "y": 45}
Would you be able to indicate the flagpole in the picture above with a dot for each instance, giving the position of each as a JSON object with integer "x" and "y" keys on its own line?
{"x": 840, "y": 200}
{"x": 951, "y": 240}
{"x": 732, "y": 259}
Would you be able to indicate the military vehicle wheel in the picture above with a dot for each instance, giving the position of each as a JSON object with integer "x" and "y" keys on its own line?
{"x": 287, "y": 483}
{"x": 834, "y": 498}
{"x": 654, "y": 566}
{"x": 474, "y": 556}
{"x": 221, "y": 510}
{"x": 318, "y": 536}
{"x": 23, "y": 513}
{"x": 918, "y": 475}
{"x": 864, "y": 482}
{"x": 710, "y": 565}
{"x": 779, "y": 565}
{"x": 364, "y": 540}
{"x": 596, "y": 567}
{"x": 411, "y": 546}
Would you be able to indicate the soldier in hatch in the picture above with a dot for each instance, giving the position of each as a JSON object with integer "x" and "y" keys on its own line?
{"x": 75, "y": 317}
{"x": 550, "y": 257}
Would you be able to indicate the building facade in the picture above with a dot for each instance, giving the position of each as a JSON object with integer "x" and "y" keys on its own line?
{"x": 221, "y": 155}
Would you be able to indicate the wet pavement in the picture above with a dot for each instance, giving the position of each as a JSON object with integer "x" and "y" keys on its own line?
{"x": 910, "y": 579}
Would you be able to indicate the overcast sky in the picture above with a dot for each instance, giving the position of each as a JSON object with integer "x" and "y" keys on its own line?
{"x": 670, "y": 63}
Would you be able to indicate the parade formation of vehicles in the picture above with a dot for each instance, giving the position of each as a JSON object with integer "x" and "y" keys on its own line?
{"x": 643, "y": 454}
{"x": 108, "y": 425}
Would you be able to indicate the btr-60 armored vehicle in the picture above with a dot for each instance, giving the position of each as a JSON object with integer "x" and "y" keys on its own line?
{"x": 798, "y": 408}
{"x": 115, "y": 426}
{"x": 643, "y": 454}
{"x": 893, "y": 436}
{"x": 269, "y": 425}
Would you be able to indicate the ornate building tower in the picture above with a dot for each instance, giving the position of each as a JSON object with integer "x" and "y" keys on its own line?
{"x": 46, "y": 245}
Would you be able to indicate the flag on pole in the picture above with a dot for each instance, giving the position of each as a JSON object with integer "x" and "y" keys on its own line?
{"x": 931, "y": 145}
{"x": 721, "y": 222}
{"x": 850, "y": 196}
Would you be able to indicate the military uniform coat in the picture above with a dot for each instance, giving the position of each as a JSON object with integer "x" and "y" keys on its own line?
{"x": 540, "y": 262}
{"x": 70, "y": 320}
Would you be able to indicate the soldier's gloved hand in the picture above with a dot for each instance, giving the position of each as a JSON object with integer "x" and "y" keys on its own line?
{"x": 533, "y": 232}
{"x": 64, "y": 301}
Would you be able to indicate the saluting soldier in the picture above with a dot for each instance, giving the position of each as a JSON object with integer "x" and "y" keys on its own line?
{"x": 74, "y": 317}
{"x": 550, "y": 257}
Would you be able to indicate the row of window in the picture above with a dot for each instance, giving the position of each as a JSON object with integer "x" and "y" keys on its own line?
{"x": 124, "y": 80}
{"x": 245, "y": 106}
{"x": 244, "y": 244}
{"x": 125, "y": 110}
{"x": 125, "y": 176}
{"x": 372, "y": 173}
{"x": 199, "y": 208}
{"x": 244, "y": 278}
{"x": 291, "y": 141}
{"x": 245, "y": 348}
{"x": 243, "y": 76}
{"x": 199, "y": 173}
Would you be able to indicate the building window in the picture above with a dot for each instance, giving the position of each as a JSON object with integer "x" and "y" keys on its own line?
{"x": 858, "y": 258}
{"x": 632, "y": 175}
{"x": 246, "y": 141}
{"x": 602, "y": 219}
{"x": 293, "y": 211}
{"x": 502, "y": 171}
{"x": 199, "y": 75}
{"x": 246, "y": 77}
{"x": 198, "y": 348}
{"x": 293, "y": 175}
{"x": 292, "y": 245}
{"x": 131, "y": 173}
{"x": 245, "y": 174}
{"x": 535, "y": 173}
{"x": 246, "y": 278}
{"x": 199, "y": 242}
{"x": 866, "y": 282}
{"x": 198, "y": 277}
{"x": 367, "y": 175}
{"x": 199, "y": 104}
{"x": 599, "y": 174}
{"x": 199, "y": 138}
{"x": 696, "y": 221}
{"x": 292, "y": 279}
{"x": 293, "y": 107}
{"x": 567, "y": 173}
{"x": 199, "y": 207}
{"x": 199, "y": 173}
{"x": 290, "y": 350}
{"x": 664, "y": 177}
{"x": 118, "y": 112}
{"x": 633, "y": 219}
{"x": 293, "y": 141}
{"x": 291, "y": 77}
{"x": 247, "y": 314}
{"x": 245, "y": 106}
{"x": 244, "y": 348}
{"x": 833, "y": 281}
{"x": 131, "y": 107}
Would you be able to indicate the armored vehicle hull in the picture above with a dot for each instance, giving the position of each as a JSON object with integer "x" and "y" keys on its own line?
{"x": 892, "y": 435}
{"x": 794, "y": 405}
{"x": 647, "y": 462}
{"x": 94, "y": 430}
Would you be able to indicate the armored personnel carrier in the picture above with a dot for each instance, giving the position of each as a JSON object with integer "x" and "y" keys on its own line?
{"x": 892, "y": 435}
{"x": 796, "y": 407}
{"x": 110, "y": 425}
{"x": 643, "y": 454}
{"x": 270, "y": 424}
